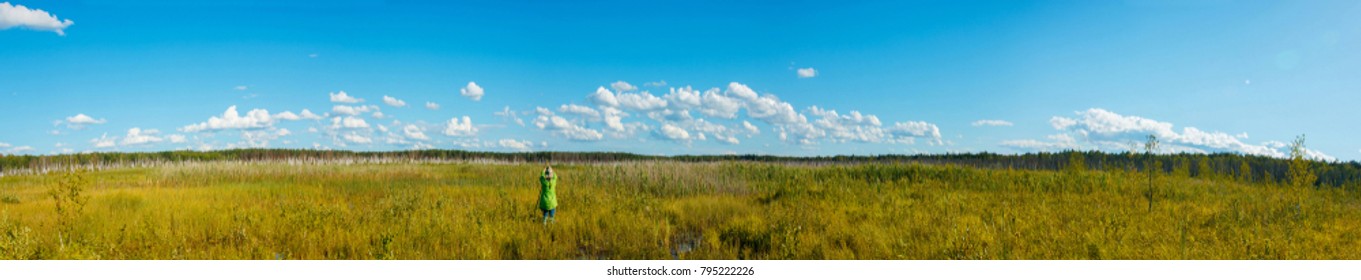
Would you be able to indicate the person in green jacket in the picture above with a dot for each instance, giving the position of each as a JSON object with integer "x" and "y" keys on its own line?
{"x": 548, "y": 198}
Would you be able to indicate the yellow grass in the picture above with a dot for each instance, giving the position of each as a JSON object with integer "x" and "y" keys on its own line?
{"x": 665, "y": 210}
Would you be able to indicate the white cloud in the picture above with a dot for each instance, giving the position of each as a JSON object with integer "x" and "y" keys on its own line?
{"x": 137, "y": 136}
{"x": 1061, "y": 123}
{"x": 257, "y": 118}
{"x": 916, "y": 129}
{"x": 672, "y": 113}
{"x": 414, "y": 132}
{"x": 622, "y": 86}
{"x": 393, "y": 101}
{"x": 79, "y": 121}
{"x": 561, "y": 127}
{"x": 20, "y": 16}
{"x": 1057, "y": 142}
{"x": 472, "y": 91}
{"x": 103, "y": 141}
{"x": 286, "y": 115}
{"x": 742, "y": 91}
{"x": 685, "y": 97}
{"x": 852, "y": 127}
{"x": 510, "y": 115}
{"x": 353, "y": 110}
{"x": 718, "y": 105}
{"x": 379, "y": 115}
{"x": 640, "y": 101}
{"x": 342, "y": 97}
{"x": 991, "y": 123}
{"x": 661, "y": 83}
{"x": 522, "y": 145}
{"x": 580, "y": 110}
{"x": 356, "y": 138}
{"x": 1106, "y": 129}
{"x": 614, "y": 118}
{"x": 674, "y": 133}
{"x": 348, "y": 122}
{"x": 464, "y": 128}
{"x": 176, "y": 138}
{"x": 307, "y": 114}
{"x": 21, "y": 149}
{"x": 719, "y": 132}
{"x": 767, "y": 108}
{"x": 432, "y": 105}
{"x": 807, "y": 72}
{"x": 241, "y": 88}
{"x": 603, "y": 97}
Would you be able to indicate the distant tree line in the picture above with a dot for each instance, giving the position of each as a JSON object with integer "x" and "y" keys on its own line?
{"x": 1211, "y": 166}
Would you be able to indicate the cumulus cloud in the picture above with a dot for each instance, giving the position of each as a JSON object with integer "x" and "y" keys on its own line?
{"x": 260, "y": 138}
{"x": 257, "y": 118}
{"x": 176, "y": 138}
{"x": 519, "y": 145}
{"x": 622, "y": 86}
{"x": 718, "y": 105}
{"x": 916, "y": 129}
{"x": 510, "y": 115}
{"x": 1057, "y": 142}
{"x": 307, "y": 114}
{"x": 19, "y": 16}
{"x": 1103, "y": 129}
{"x": 674, "y": 133}
{"x": 432, "y": 105}
{"x": 750, "y": 127}
{"x": 460, "y": 128}
{"x": 19, "y": 149}
{"x": 79, "y": 121}
{"x": 673, "y": 114}
{"x": 719, "y": 132}
{"x": 104, "y": 141}
{"x": 286, "y": 115}
{"x": 393, "y": 101}
{"x": 356, "y": 138}
{"x": 348, "y": 122}
{"x": 685, "y": 97}
{"x": 807, "y": 72}
{"x": 851, "y": 127}
{"x": 137, "y": 136}
{"x": 603, "y": 97}
{"x": 472, "y": 91}
{"x": 342, "y": 97}
{"x": 562, "y": 127}
{"x": 23, "y": 149}
{"x": 580, "y": 110}
{"x": 353, "y": 110}
{"x": 640, "y": 101}
{"x": 661, "y": 83}
{"x": 991, "y": 123}
{"x": 414, "y": 132}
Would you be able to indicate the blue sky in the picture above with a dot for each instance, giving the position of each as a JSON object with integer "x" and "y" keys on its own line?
{"x": 681, "y": 77}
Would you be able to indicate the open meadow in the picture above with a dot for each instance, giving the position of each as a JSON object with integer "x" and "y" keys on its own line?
{"x": 665, "y": 210}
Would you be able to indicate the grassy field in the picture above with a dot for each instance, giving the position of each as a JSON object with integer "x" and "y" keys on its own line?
{"x": 664, "y": 210}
